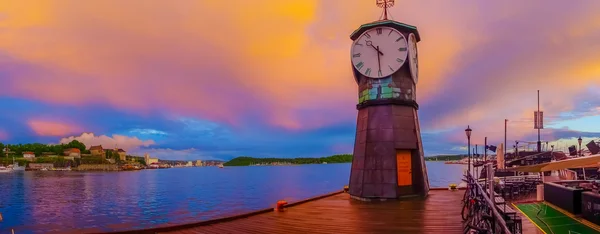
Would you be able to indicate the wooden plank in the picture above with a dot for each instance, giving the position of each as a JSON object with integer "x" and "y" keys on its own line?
{"x": 505, "y": 209}
{"x": 438, "y": 213}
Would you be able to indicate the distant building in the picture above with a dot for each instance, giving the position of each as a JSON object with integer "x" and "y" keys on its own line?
{"x": 72, "y": 152}
{"x": 153, "y": 160}
{"x": 189, "y": 164}
{"x": 198, "y": 163}
{"x": 97, "y": 150}
{"x": 150, "y": 160}
{"x": 28, "y": 155}
{"x": 122, "y": 154}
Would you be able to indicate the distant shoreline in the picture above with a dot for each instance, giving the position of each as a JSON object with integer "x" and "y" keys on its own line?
{"x": 251, "y": 161}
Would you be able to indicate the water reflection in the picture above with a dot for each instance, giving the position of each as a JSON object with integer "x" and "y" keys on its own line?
{"x": 59, "y": 202}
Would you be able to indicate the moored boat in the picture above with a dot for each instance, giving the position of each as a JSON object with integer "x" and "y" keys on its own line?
{"x": 128, "y": 167}
{"x": 4, "y": 169}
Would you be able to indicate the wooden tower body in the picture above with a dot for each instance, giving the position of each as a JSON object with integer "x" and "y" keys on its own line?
{"x": 388, "y": 158}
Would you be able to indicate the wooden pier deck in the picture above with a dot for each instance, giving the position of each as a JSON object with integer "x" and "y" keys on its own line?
{"x": 438, "y": 213}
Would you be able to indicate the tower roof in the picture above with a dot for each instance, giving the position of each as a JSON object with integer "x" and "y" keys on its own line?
{"x": 390, "y": 23}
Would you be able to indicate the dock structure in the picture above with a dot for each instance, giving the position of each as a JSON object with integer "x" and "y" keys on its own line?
{"x": 439, "y": 212}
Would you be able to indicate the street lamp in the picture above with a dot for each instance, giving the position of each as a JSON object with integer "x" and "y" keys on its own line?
{"x": 468, "y": 132}
{"x": 579, "y": 140}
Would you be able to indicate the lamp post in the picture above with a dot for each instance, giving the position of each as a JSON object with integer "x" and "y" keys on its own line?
{"x": 580, "y": 140}
{"x": 468, "y": 132}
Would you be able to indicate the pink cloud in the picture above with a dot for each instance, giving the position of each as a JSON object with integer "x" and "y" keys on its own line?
{"x": 297, "y": 76}
{"x": 51, "y": 128}
{"x": 120, "y": 141}
{"x": 3, "y": 135}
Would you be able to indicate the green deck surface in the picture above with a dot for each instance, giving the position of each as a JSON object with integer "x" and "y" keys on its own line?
{"x": 550, "y": 218}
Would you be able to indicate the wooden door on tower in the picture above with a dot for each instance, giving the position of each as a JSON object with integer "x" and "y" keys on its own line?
{"x": 403, "y": 167}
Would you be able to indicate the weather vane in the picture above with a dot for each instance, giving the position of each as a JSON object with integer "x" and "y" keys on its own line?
{"x": 385, "y": 4}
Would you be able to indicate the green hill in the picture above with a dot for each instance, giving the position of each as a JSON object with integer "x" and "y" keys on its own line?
{"x": 247, "y": 161}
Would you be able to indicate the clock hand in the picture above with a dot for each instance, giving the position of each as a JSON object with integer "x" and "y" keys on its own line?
{"x": 369, "y": 43}
{"x": 378, "y": 59}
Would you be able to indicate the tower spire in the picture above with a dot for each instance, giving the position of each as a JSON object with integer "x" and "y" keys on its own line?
{"x": 385, "y": 4}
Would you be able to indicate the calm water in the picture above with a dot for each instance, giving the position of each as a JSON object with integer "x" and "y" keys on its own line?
{"x": 55, "y": 202}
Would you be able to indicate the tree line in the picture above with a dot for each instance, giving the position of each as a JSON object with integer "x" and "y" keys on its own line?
{"x": 247, "y": 161}
{"x": 39, "y": 149}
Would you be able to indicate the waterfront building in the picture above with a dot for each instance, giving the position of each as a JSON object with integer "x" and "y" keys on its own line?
{"x": 122, "y": 154}
{"x": 97, "y": 150}
{"x": 198, "y": 163}
{"x": 72, "y": 152}
{"x": 150, "y": 160}
{"x": 28, "y": 155}
{"x": 189, "y": 164}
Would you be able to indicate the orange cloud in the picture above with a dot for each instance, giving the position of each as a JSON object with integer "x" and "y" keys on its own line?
{"x": 51, "y": 128}
{"x": 288, "y": 61}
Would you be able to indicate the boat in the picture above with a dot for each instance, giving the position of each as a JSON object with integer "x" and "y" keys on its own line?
{"x": 128, "y": 167}
{"x": 16, "y": 166}
{"x": 4, "y": 169}
{"x": 60, "y": 169}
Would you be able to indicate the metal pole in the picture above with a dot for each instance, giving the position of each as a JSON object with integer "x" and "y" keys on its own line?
{"x": 539, "y": 142}
{"x": 385, "y": 12}
{"x": 505, "y": 122}
{"x": 490, "y": 179}
{"x": 485, "y": 150}
{"x": 475, "y": 156}
{"x": 469, "y": 155}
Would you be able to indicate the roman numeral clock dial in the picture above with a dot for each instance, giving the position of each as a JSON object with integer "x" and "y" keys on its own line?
{"x": 379, "y": 52}
{"x": 413, "y": 57}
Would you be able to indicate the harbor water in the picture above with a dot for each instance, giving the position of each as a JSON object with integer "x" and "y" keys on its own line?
{"x": 76, "y": 202}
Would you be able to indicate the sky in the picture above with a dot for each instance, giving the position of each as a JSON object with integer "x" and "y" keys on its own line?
{"x": 219, "y": 79}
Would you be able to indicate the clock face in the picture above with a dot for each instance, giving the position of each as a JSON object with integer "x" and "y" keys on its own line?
{"x": 379, "y": 52}
{"x": 413, "y": 57}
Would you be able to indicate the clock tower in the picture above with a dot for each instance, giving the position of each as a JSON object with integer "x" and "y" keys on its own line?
{"x": 388, "y": 158}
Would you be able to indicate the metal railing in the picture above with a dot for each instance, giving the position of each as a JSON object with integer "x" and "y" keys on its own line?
{"x": 566, "y": 174}
{"x": 499, "y": 226}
